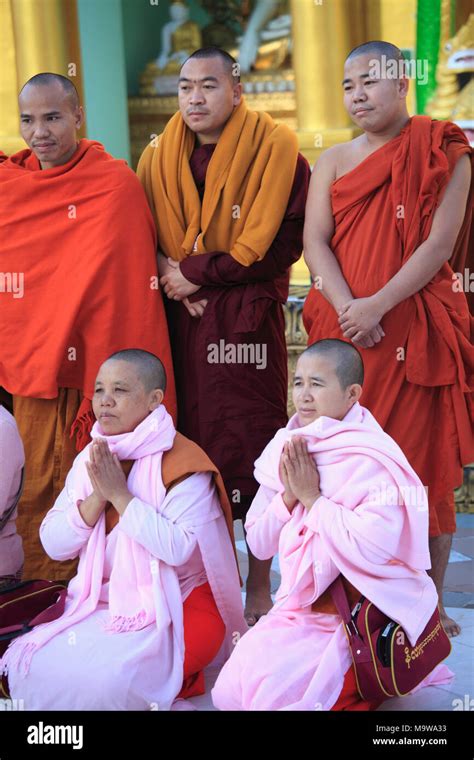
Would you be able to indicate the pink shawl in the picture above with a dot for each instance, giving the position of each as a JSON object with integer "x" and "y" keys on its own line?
{"x": 143, "y": 589}
{"x": 372, "y": 522}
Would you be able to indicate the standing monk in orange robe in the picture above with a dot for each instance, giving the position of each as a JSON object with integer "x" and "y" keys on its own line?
{"x": 386, "y": 214}
{"x": 80, "y": 280}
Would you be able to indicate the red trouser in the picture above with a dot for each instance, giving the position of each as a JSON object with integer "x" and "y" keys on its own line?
{"x": 204, "y": 632}
{"x": 349, "y": 698}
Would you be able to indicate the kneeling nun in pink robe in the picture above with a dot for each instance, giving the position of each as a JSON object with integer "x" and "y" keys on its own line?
{"x": 370, "y": 524}
{"x": 119, "y": 644}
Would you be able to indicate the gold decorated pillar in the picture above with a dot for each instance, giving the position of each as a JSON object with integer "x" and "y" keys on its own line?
{"x": 323, "y": 34}
{"x": 40, "y": 37}
{"x": 9, "y": 141}
{"x": 395, "y": 22}
{"x": 37, "y": 35}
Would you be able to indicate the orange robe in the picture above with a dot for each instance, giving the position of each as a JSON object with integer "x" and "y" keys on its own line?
{"x": 419, "y": 379}
{"x": 44, "y": 425}
{"x": 79, "y": 243}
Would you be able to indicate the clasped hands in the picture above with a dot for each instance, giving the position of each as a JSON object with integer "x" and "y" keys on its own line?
{"x": 108, "y": 481}
{"x": 177, "y": 287}
{"x": 359, "y": 320}
{"x": 299, "y": 474}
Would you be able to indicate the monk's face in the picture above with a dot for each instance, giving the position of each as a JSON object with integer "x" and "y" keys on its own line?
{"x": 374, "y": 104}
{"x": 317, "y": 391}
{"x": 207, "y": 97}
{"x": 49, "y": 121}
{"x": 120, "y": 400}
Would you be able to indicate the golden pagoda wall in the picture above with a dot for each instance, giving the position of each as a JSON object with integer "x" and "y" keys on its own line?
{"x": 35, "y": 36}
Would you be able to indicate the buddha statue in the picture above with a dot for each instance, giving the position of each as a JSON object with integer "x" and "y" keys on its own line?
{"x": 179, "y": 38}
{"x": 267, "y": 37}
{"x": 261, "y": 50}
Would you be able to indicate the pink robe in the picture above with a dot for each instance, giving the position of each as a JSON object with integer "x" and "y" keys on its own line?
{"x": 173, "y": 545}
{"x": 12, "y": 459}
{"x": 370, "y": 524}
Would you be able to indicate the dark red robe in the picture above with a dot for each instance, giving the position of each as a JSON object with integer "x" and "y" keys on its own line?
{"x": 233, "y": 410}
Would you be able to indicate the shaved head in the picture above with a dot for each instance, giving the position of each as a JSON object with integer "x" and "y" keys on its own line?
{"x": 347, "y": 361}
{"x": 47, "y": 78}
{"x": 375, "y": 84}
{"x": 230, "y": 64}
{"x": 149, "y": 368}
{"x": 377, "y": 48}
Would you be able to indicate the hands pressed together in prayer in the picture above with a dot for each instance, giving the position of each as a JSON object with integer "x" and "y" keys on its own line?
{"x": 299, "y": 474}
{"x": 177, "y": 287}
{"x": 360, "y": 321}
{"x": 108, "y": 481}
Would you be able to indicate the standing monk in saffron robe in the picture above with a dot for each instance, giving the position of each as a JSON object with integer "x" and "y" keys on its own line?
{"x": 387, "y": 213}
{"x": 79, "y": 242}
{"x": 227, "y": 188}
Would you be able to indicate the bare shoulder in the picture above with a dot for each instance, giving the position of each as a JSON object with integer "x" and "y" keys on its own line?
{"x": 325, "y": 166}
{"x": 457, "y": 189}
{"x": 463, "y": 168}
{"x": 328, "y": 157}
{"x": 338, "y": 159}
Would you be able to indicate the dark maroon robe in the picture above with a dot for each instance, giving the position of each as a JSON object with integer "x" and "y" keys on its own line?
{"x": 233, "y": 410}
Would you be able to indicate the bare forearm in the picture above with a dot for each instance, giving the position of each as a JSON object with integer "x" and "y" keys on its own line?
{"x": 122, "y": 500}
{"x": 420, "y": 268}
{"x": 90, "y": 510}
{"x": 323, "y": 265}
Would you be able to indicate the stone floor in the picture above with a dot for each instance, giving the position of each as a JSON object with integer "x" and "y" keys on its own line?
{"x": 459, "y": 600}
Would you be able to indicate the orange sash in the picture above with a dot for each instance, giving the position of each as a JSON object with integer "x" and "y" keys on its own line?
{"x": 248, "y": 184}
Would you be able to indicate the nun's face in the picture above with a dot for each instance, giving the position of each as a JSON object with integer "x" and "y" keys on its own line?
{"x": 120, "y": 400}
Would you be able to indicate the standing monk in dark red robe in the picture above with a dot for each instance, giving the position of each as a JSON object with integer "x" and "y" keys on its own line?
{"x": 386, "y": 231}
{"x": 227, "y": 188}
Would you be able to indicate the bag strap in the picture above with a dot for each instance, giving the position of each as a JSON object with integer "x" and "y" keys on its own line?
{"x": 6, "y": 515}
{"x": 340, "y": 599}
